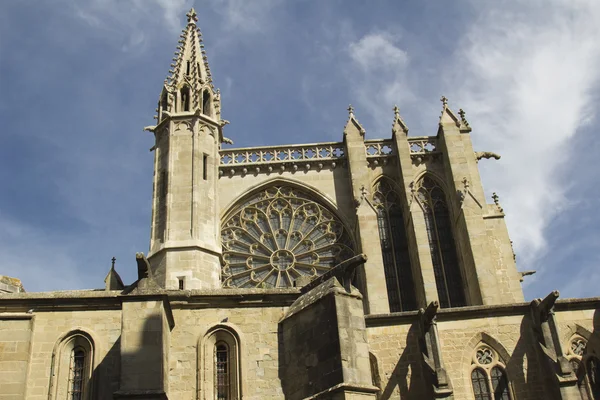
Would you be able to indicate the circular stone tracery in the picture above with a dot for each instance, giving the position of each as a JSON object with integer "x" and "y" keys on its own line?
{"x": 277, "y": 235}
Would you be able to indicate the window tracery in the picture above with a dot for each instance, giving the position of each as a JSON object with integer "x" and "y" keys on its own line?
{"x": 394, "y": 248}
{"x": 488, "y": 375}
{"x": 441, "y": 243}
{"x": 585, "y": 366}
{"x": 279, "y": 234}
{"x": 72, "y": 366}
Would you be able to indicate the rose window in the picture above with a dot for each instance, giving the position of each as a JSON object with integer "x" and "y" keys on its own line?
{"x": 278, "y": 235}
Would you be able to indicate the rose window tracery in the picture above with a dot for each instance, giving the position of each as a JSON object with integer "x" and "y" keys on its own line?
{"x": 278, "y": 235}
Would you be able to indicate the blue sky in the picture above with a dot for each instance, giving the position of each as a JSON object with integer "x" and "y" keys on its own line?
{"x": 79, "y": 80}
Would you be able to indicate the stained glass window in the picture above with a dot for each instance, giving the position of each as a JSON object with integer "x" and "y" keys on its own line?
{"x": 394, "y": 248}
{"x": 499, "y": 384}
{"x": 77, "y": 374}
{"x": 278, "y": 235}
{"x": 481, "y": 390}
{"x": 441, "y": 244}
{"x": 222, "y": 372}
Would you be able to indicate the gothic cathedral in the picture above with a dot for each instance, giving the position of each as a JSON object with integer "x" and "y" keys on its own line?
{"x": 359, "y": 269}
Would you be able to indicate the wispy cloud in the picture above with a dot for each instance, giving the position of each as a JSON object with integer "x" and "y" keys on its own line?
{"x": 245, "y": 16}
{"x": 378, "y": 75}
{"x": 526, "y": 73}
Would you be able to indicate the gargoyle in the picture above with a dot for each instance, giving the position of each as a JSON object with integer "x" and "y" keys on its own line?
{"x": 486, "y": 154}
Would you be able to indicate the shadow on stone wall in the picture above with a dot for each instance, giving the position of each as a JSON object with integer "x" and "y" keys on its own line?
{"x": 523, "y": 368}
{"x": 107, "y": 373}
{"x": 412, "y": 387}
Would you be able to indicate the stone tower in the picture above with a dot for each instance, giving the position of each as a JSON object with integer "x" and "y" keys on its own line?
{"x": 184, "y": 240}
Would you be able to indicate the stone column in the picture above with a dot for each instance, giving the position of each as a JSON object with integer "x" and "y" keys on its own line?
{"x": 416, "y": 232}
{"x": 325, "y": 354}
{"x": 373, "y": 275}
{"x": 145, "y": 340}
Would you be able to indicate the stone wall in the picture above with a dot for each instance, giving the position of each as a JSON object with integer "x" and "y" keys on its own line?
{"x": 15, "y": 343}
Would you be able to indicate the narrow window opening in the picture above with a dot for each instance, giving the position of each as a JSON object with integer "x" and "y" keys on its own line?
{"x": 76, "y": 374}
{"x": 187, "y": 69}
{"x": 441, "y": 244}
{"x": 481, "y": 390}
{"x": 222, "y": 372}
{"x": 205, "y": 167}
{"x": 206, "y": 103}
{"x": 163, "y": 106}
{"x": 185, "y": 98}
{"x": 394, "y": 248}
{"x": 181, "y": 283}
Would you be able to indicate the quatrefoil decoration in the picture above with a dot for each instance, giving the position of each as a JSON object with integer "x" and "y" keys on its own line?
{"x": 484, "y": 356}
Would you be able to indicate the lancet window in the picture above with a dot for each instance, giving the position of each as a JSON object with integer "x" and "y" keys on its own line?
{"x": 586, "y": 366}
{"x": 441, "y": 243}
{"x": 394, "y": 247}
{"x": 279, "y": 234}
{"x": 72, "y": 364}
{"x": 220, "y": 365}
{"x": 488, "y": 375}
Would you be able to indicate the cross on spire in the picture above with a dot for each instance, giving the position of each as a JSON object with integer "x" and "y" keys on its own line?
{"x": 192, "y": 16}
{"x": 113, "y": 262}
{"x": 350, "y": 109}
{"x": 444, "y": 101}
{"x": 396, "y": 111}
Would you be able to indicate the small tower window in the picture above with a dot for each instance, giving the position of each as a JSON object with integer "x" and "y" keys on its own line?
{"x": 163, "y": 106}
{"x": 204, "y": 166}
{"x": 77, "y": 374}
{"x": 181, "y": 281}
{"x": 206, "y": 103}
{"x": 185, "y": 98}
{"x": 187, "y": 69}
{"x": 222, "y": 372}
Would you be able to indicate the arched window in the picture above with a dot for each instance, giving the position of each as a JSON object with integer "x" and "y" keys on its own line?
{"x": 394, "y": 248}
{"x": 72, "y": 366}
{"x": 276, "y": 235}
{"x": 220, "y": 365}
{"x": 488, "y": 376}
{"x": 185, "y": 99}
{"x": 206, "y": 103}
{"x": 441, "y": 244}
{"x": 585, "y": 365}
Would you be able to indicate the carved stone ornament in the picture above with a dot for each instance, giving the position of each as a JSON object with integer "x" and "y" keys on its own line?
{"x": 279, "y": 235}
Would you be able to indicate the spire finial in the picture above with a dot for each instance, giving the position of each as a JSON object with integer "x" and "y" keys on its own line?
{"x": 113, "y": 262}
{"x": 444, "y": 101}
{"x": 396, "y": 111}
{"x": 350, "y": 109}
{"x": 192, "y": 16}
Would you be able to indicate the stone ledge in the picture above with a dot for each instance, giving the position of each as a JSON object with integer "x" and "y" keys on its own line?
{"x": 471, "y": 312}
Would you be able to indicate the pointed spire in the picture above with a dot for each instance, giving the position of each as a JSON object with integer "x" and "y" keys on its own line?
{"x": 188, "y": 87}
{"x": 447, "y": 114}
{"x": 113, "y": 280}
{"x": 353, "y": 122}
{"x": 398, "y": 122}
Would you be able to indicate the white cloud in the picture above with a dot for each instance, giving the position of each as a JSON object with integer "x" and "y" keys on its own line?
{"x": 378, "y": 76}
{"x": 244, "y": 15}
{"x": 526, "y": 74}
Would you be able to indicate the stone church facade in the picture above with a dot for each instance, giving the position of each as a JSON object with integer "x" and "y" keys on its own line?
{"x": 359, "y": 269}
